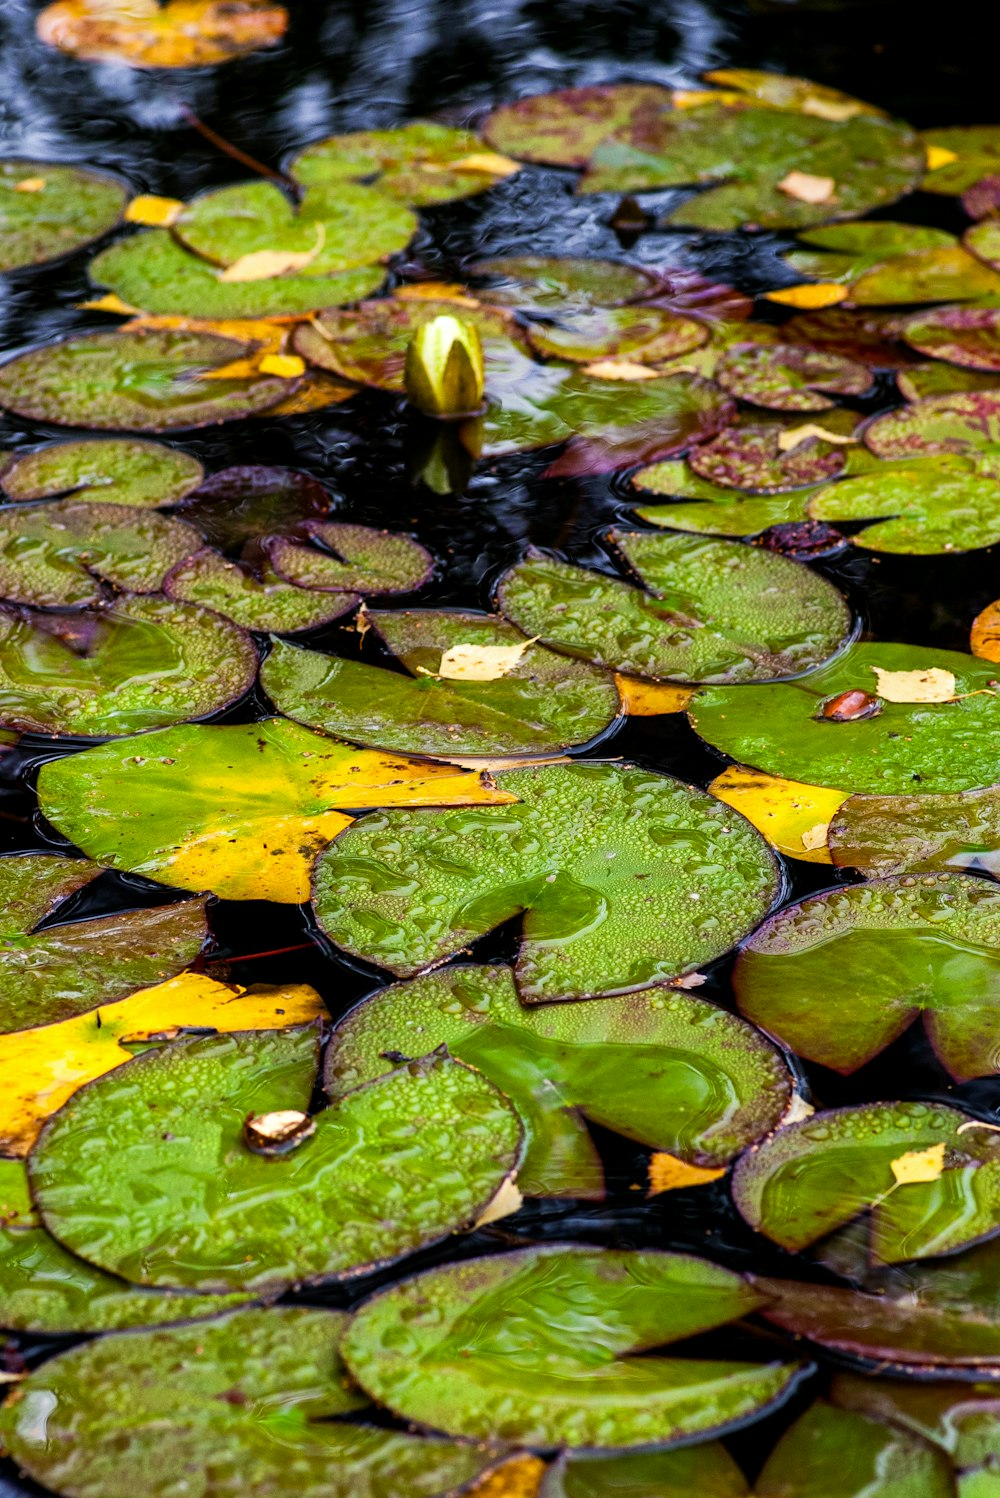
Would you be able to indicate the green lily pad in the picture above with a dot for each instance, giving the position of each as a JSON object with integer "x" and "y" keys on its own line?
{"x": 421, "y": 163}
{"x": 666, "y": 1069}
{"x": 143, "y": 664}
{"x": 393, "y": 1166}
{"x": 715, "y": 610}
{"x": 929, "y": 508}
{"x": 540, "y": 705}
{"x": 48, "y": 210}
{"x": 977, "y": 148}
{"x": 109, "y": 471}
{"x": 848, "y": 250}
{"x": 707, "y": 1470}
{"x": 340, "y": 226}
{"x": 62, "y": 555}
{"x": 965, "y": 423}
{"x": 624, "y": 877}
{"x": 642, "y": 335}
{"x": 749, "y": 458}
{"x": 961, "y": 1419}
{"x": 936, "y": 275}
{"x": 155, "y": 273}
{"x": 251, "y": 1403}
{"x": 557, "y": 284}
{"x": 249, "y": 501}
{"x": 813, "y": 1177}
{"x": 149, "y": 382}
{"x": 884, "y": 954}
{"x": 358, "y": 559}
{"x": 44, "y": 1289}
{"x": 788, "y": 377}
{"x": 835, "y": 1453}
{"x": 968, "y": 336}
{"x": 51, "y": 974}
{"x": 714, "y": 511}
{"x": 923, "y": 380}
{"x": 537, "y": 1347}
{"x": 923, "y": 834}
{"x": 256, "y": 599}
{"x": 913, "y": 749}
{"x": 565, "y": 128}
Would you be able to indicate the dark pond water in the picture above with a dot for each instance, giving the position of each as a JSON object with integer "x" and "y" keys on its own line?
{"x": 361, "y": 63}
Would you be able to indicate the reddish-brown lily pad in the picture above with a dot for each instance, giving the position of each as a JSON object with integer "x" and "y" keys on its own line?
{"x": 566, "y": 128}
{"x": 750, "y": 458}
{"x": 966, "y": 423}
{"x": 788, "y": 377}
{"x": 968, "y": 336}
{"x": 893, "y": 834}
{"x": 866, "y": 337}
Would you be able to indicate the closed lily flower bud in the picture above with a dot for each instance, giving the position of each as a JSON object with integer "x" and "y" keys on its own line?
{"x": 444, "y": 368}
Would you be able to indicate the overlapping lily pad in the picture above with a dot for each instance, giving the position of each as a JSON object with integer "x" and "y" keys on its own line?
{"x": 906, "y": 748}
{"x": 854, "y": 333}
{"x": 837, "y": 1453}
{"x": 642, "y": 335}
{"x": 813, "y": 1177}
{"x": 255, "y": 597}
{"x": 47, "y": 210}
{"x": 713, "y": 510}
{"x": 539, "y": 703}
{"x": 146, "y": 34}
{"x": 934, "y": 505}
{"x": 922, "y": 380}
{"x": 249, "y": 501}
{"x": 886, "y": 264}
{"x": 64, "y": 555}
{"x": 142, "y": 664}
{"x": 388, "y": 1168}
{"x": 110, "y": 471}
{"x": 843, "y": 252}
{"x": 707, "y": 1470}
{"x": 240, "y": 810}
{"x": 714, "y": 610}
{"x": 890, "y": 834}
{"x": 154, "y": 272}
{"x": 565, "y": 128}
{"x": 960, "y": 1420}
{"x": 666, "y": 1069}
{"x": 539, "y": 1347}
{"x": 967, "y": 336}
{"x": 883, "y": 954}
{"x": 147, "y": 382}
{"x": 625, "y": 878}
{"x": 751, "y": 458}
{"x": 788, "y": 377}
{"x": 65, "y": 969}
{"x": 976, "y": 153}
{"x": 354, "y": 560}
{"x": 421, "y": 163}
{"x": 966, "y": 423}
{"x": 256, "y": 1398}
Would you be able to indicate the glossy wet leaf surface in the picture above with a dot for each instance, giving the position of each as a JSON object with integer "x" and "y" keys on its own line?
{"x": 589, "y": 853}
{"x": 145, "y": 34}
{"x": 141, "y": 664}
{"x": 813, "y": 1177}
{"x": 751, "y": 458}
{"x": 967, "y": 423}
{"x": 709, "y": 509}
{"x": 914, "y": 749}
{"x": 649, "y": 335}
{"x": 537, "y": 282}
{"x": 931, "y": 507}
{"x": 837, "y": 1453}
{"x": 113, "y": 471}
{"x": 534, "y": 1347}
{"x": 255, "y": 598}
{"x": 351, "y": 560}
{"x": 258, "y": 1397}
{"x": 884, "y": 953}
{"x": 240, "y": 810}
{"x": 888, "y": 834}
{"x": 706, "y": 1469}
{"x": 60, "y": 209}
{"x": 407, "y": 1160}
{"x": 967, "y": 336}
{"x": 421, "y": 163}
{"x": 709, "y": 611}
{"x": 975, "y": 150}
{"x": 667, "y": 1069}
{"x": 542, "y": 705}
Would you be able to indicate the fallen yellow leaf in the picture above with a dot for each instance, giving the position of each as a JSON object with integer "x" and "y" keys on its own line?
{"x": 831, "y": 109}
{"x": 984, "y": 639}
{"x": 110, "y": 302}
{"x": 621, "y": 369}
{"x": 480, "y": 662}
{"x": 315, "y": 393}
{"x": 435, "y": 291}
{"x": 918, "y": 1166}
{"x": 266, "y": 265}
{"x": 520, "y": 1477}
{"x": 648, "y": 699}
{"x": 807, "y": 187}
{"x": 810, "y": 296}
{"x": 505, "y": 1203}
{"x": 30, "y": 184}
{"x": 236, "y": 369}
{"x": 667, "y": 1173}
{"x": 939, "y": 156}
{"x": 40, "y": 1069}
{"x": 156, "y": 212}
{"x": 794, "y": 817}
{"x": 697, "y": 98}
{"x": 145, "y": 34}
{"x": 932, "y": 685}
{"x": 792, "y": 437}
{"x": 288, "y": 366}
{"x": 490, "y": 162}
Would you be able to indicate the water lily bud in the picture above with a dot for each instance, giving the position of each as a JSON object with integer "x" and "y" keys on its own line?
{"x": 444, "y": 368}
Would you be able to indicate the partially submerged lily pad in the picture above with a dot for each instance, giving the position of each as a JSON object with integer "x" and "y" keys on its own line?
{"x": 388, "y": 1168}
{"x": 646, "y": 334}
{"x": 788, "y": 377}
{"x": 65, "y": 969}
{"x": 974, "y": 152}
{"x": 565, "y": 128}
{"x": 142, "y": 664}
{"x": 961, "y": 1420}
{"x": 624, "y": 877}
{"x": 539, "y": 1347}
{"x": 922, "y": 380}
{"x": 421, "y": 163}
{"x": 836, "y": 1453}
{"x": 714, "y": 610}
{"x": 538, "y": 704}
{"x": 883, "y": 954}
{"x": 666, "y": 1069}
{"x": 148, "y": 382}
{"x": 67, "y": 554}
{"x": 250, "y": 501}
{"x": 109, "y": 471}
{"x": 813, "y": 1177}
{"x": 892, "y": 834}
{"x": 48, "y": 210}
{"x": 555, "y": 284}
{"x": 241, "y": 810}
{"x": 905, "y": 748}
{"x": 260, "y": 1394}
{"x": 854, "y": 333}
{"x": 354, "y": 560}
{"x": 712, "y": 510}
{"x": 932, "y": 506}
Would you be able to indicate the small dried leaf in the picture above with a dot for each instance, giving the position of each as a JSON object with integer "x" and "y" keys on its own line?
{"x": 797, "y": 1111}
{"x": 507, "y": 1201}
{"x": 806, "y": 187}
{"x": 288, "y": 366}
{"x": 264, "y": 265}
{"x": 815, "y": 837}
{"x": 697, "y": 98}
{"x": 918, "y": 1166}
{"x": 667, "y": 1173}
{"x": 32, "y": 184}
{"x": 831, "y": 109}
{"x": 810, "y": 296}
{"x": 158, "y": 213}
{"x": 277, "y": 1133}
{"x": 521, "y": 1477}
{"x": 110, "y": 302}
{"x": 435, "y": 291}
{"x": 792, "y": 437}
{"x": 648, "y": 699}
{"x": 932, "y": 685}
{"x": 984, "y": 640}
{"x": 939, "y": 156}
{"x": 480, "y": 662}
{"x": 620, "y": 369}
{"x": 480, "y": 161}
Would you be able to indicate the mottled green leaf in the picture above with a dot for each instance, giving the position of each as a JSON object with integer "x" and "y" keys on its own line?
{"x": 933, "y": 506}
{"x": 750, "y": 458}
{"x": 565, "y": 128}
{"x": 111, "y": 471}
{"x": 789, "y": 377}
{"x": 254, "y": 598}
{"x": 968, "y": 336}
{"x": 965, "y": 423}
{"x": 356, "y": 559}
{"x": 977, "y": 148}
{"x": 713, "y": 511}
{"x": 421, "y": 163}
{"x": 48, "y": 210}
